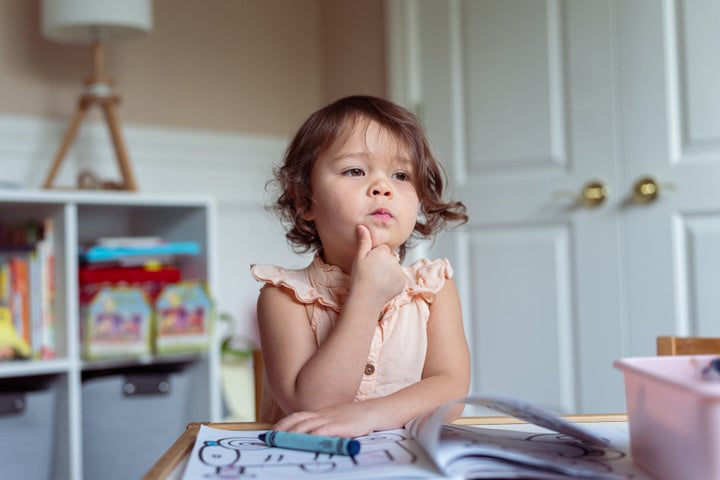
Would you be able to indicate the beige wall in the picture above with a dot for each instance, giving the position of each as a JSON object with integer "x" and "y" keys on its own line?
{"x": 353, "y": 55}
{"x": 256, "y": 66}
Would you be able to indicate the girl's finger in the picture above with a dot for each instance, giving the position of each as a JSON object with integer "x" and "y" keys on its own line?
{"x": 364, "y": 241}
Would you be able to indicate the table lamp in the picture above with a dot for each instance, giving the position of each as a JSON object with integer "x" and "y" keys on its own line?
{"x": 95, "y": 22}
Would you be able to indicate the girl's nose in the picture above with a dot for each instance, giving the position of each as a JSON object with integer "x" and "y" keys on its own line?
{"x": 380, "y": 188}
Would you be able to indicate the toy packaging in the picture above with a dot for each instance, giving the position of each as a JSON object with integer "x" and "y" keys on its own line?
{"x": 117, "y": 324}
{"x": 151, "y": 278}
{"x": 182, "y": 318}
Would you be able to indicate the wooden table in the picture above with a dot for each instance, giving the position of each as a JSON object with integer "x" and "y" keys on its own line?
{"x": 172, "y": 464}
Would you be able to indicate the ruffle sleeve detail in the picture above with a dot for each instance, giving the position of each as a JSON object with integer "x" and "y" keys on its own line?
{"x": 318, "y": 282}
{"x": 426, "y": 279}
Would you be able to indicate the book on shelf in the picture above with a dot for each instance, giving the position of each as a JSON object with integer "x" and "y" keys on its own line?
{"x": 27, "y": 285}
{"x": 42, "y": 282}
{"x": 136, "y": 251}
{"x": 19, "y": 295}
{"x": 547, "y": 448}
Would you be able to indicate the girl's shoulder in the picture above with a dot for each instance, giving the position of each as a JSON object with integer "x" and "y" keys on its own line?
{"x": 317, "y": 282}
{"x": 274, "y": 273}
{"x": 426, "y": 279}
{"x": 429, "y": 275}
{"x": 297, "y": 281}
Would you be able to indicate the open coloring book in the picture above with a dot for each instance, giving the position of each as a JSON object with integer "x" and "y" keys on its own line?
{"x": 427, "y": 449}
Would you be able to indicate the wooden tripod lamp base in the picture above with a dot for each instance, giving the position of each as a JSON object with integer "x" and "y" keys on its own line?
{"x": 98, "y": 92}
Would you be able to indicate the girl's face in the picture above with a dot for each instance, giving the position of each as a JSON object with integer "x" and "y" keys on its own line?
{"x": 365, "y": 180}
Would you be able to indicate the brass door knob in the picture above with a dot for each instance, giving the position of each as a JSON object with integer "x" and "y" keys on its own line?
{"x": 646, "y": 190}
{"x": 594, "y": 194}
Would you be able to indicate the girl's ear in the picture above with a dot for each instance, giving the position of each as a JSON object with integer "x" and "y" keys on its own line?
{"x": 308, "y": 215}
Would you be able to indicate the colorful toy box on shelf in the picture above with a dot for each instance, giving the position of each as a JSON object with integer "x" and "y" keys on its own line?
{"x": 151, "y": 278}
{"x": 183, "y": 313}
{"x": 118, "y": 323}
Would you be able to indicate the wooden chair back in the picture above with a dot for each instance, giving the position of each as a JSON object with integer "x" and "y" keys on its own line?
{"x": 671, "y": 345}
{"x": 258, "y": 368}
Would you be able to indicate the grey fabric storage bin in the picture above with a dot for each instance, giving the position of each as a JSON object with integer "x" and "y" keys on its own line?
{"x": 124, "y": 435}
{"x": 27, "y": 433}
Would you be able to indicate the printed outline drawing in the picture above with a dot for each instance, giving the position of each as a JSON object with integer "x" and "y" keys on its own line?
{"x": 576, "y": 452}
{"x": 245, "y": 456}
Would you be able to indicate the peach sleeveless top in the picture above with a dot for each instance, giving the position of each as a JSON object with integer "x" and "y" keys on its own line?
{"x": 397, "y": 351}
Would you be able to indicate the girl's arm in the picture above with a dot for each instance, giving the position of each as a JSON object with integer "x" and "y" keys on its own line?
{"x": 305, "y": 377}
{"x": 446, "y": 377}
{"x": 302, "y": 376}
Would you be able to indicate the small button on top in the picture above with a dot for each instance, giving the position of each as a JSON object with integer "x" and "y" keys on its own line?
{"x": 369, "y": 369}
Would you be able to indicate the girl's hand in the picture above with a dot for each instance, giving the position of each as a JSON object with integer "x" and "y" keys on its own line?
{"x": 376, "y": 271}
{"x": 346, "y": 420}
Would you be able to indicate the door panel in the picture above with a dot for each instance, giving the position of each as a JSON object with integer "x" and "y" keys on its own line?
{"x": 527, "y": 127}
{"x": 702, "y": 270}
{"x": 523, "y": 92}
{"x": 518, "y": 276}
{"x": 526, "y": 101}
{"x": 697, "y": 25}
{"x": 671, "y": 118}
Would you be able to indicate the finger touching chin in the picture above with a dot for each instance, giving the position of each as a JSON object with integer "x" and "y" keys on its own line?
{"x": 379, "y": 237}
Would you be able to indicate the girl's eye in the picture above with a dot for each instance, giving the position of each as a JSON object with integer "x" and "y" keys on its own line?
{"x": 402, "y": 176}
{"x": 354, "y": 172}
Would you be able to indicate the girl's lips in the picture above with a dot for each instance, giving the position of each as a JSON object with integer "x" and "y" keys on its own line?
{"x": 382, "y": 213}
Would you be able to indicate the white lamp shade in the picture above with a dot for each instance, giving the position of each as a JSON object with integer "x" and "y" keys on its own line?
{"x": 86, "y": 21}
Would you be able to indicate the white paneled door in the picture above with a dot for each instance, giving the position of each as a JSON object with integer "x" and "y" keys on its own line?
{"x": 548, "y": 115}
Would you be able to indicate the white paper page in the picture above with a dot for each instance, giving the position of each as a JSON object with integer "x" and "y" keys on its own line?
{"x": 238, "y": 454}
{"x": 557, "y": 454}
{"x": 619, "y": 441}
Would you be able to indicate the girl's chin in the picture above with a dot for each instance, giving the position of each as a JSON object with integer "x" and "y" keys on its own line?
{"x": 381, "y": 239}
{"x": 393, "y": 247}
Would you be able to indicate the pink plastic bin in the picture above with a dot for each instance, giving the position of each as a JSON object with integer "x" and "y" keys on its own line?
{"x": 674, "y": 416}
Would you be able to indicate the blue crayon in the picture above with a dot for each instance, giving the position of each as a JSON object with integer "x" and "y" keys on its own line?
{"x": 311, "y": 443}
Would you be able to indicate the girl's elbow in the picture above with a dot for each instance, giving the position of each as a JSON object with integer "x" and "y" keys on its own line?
{"x": 462, "y": 390}
{"x": 462, "y": 382}
{"x": 454, "y": 412}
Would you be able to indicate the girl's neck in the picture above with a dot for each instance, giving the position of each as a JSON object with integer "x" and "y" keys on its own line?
{"x": 338, "y": 261}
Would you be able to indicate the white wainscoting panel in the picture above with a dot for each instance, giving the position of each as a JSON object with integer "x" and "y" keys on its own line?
{"x": 233, "y": 168}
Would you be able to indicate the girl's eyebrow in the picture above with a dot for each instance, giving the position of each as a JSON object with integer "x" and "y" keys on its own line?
{"x": 349, "y": 155}
{"x": 404, "y": 162}
{"x": 400, "y": 161}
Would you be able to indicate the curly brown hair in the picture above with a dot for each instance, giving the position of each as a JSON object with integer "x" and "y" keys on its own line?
{"x": 334, "y": 123}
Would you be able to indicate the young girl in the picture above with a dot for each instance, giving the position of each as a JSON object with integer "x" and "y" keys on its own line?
{"x": 355, "y": 342}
